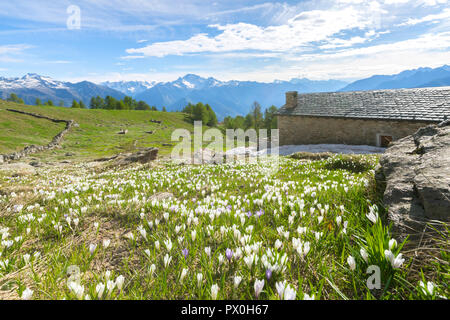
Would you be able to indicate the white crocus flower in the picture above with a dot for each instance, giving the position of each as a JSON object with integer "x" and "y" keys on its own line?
{"x": 214, "y": 291}
{"x": 120, "y": 281}
{"x": 26, "y": 258}
{"x": 99, "y": 289}
{"x": 152, "y": 269}
{"x": 92, "y": 248}
{"x": 259, "y": 285}
{"x": 308, "y": 297}
{"x": 351, "y": 262}
{"x": 289, "y": 293}
{"x": 364, "y": 254}
{"x": 396, "y": 261}
{"x": 167, "y": 260}
{"x": 372, "y": 215}
{"x": 27, "y": 294}
{"x": 237, "y": 280}
{"x": 106, "y": 243}
{"x": 110, "y": 285}
{"x": 183, "y": 274}
{"x": 428, "y": 288}
{"x": 199, "y": 279}
{"x": 77, "y": 289}
{"x": 168, "y": 244}
{"x": 280, "y": 286}
{"x": 392, "y": 244}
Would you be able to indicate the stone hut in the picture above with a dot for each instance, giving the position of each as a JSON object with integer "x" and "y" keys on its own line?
{"x": 360, "y": 118}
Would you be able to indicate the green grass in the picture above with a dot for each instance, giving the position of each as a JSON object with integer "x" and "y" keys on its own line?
{"x": 95, "y": 137}
{"x": 245, "y": 207}
{"x": 18, "y": 131}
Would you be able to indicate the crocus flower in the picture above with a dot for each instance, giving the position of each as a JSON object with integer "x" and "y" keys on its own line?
{"x": 396, "y": 262}
{"x": 119, "y": 282}
{"x": 364, "y": 254}
{"x": 77, "y": 289}
{"x": 92, "y": 248}
{"x": 168, "y": 244}
{"x": 99, "y": 289}
{"x": 372, "y": 216}
{"x": 268, "y": 274}
{"x": 237, "y": 280}
{"x": 183, "y": 274}
{"x": 221, "y": 258}
{"x": 351, "y": 262}
{"x": 229, "y": 254}
{"x": 27, "y": 294}
{"x": 289, "y": 293}
{"x": 392, "y": 244}
{"x": 427, "y": 289}
{"x": 280, "y": 286}
{"x": 185, "y": 253}
{"x": 208, "y": 251}
{"x": 106, "y": 243}
{"x": 259, "y": 285}
{"x": 214, "y": 291}
{"x": 152, "y": 269}
{"x": 199, "y": 278}
{"x": 308, "y": 297}
{"x": 167, "y": 260}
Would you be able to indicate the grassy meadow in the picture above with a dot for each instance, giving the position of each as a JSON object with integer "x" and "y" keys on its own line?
{"x": 293, "y": 229}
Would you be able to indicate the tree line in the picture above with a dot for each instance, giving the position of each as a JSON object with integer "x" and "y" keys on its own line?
{"x": 201, "y": 112}
{"x": 127, "y": 103}
{"x": 255, "y": 119}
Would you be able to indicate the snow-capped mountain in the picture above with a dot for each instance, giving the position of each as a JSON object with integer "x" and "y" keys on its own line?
{"x": 417, "y": 78}
{"x": 228, "y": 97}
{"x": 32, "y": 86}
{"x": 130, "y": 88}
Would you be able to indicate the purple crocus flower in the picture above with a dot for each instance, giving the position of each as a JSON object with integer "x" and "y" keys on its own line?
{"x": 229, "y": 207}
{"x": 268, "y": 274}
{"x": 249, "y": 214}
{"x": 185, "y": 252}
{"x": 229, "y": 254}
{"x": 260, "y": 213}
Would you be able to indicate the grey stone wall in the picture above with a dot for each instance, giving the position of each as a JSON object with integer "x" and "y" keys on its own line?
{"x": 318, "y": 130}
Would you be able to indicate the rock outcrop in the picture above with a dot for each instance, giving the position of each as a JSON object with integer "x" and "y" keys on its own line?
{"x": 143, "y": 156}
{"x": 416, "y": 174}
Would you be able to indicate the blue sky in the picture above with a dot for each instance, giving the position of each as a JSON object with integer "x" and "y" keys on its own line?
{"x": 257, "y": 40}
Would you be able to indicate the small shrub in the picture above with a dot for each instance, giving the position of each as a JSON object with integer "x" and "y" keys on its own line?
{"x": 352, "y": 163}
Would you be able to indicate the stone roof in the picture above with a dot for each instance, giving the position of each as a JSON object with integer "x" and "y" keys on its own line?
{"x": 422, "y": 104}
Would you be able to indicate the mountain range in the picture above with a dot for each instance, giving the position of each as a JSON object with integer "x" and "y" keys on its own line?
{"x": 32, "y": 86}
{"x": 417, "y": 78}
{"x": 226, "y": 97}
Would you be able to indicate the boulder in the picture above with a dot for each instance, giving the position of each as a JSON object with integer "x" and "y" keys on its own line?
{"x": 416, "y": 173}
{"x": 2, "y": 158}
{"x": 143, "y": 156}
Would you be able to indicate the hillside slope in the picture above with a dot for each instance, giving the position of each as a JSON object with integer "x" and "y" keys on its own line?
{"x": 96, "y": 135}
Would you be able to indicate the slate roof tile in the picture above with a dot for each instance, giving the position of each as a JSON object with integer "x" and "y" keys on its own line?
{"x": 429, "y": 104}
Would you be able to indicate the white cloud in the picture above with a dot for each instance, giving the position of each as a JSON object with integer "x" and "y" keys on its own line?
{"x": 301, "y": 30}
{"x": 13, "y": 53}
{"x": 445, "y": 14}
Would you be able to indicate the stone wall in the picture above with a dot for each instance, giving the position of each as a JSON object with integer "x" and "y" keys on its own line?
{"x": 322, "y": 130}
